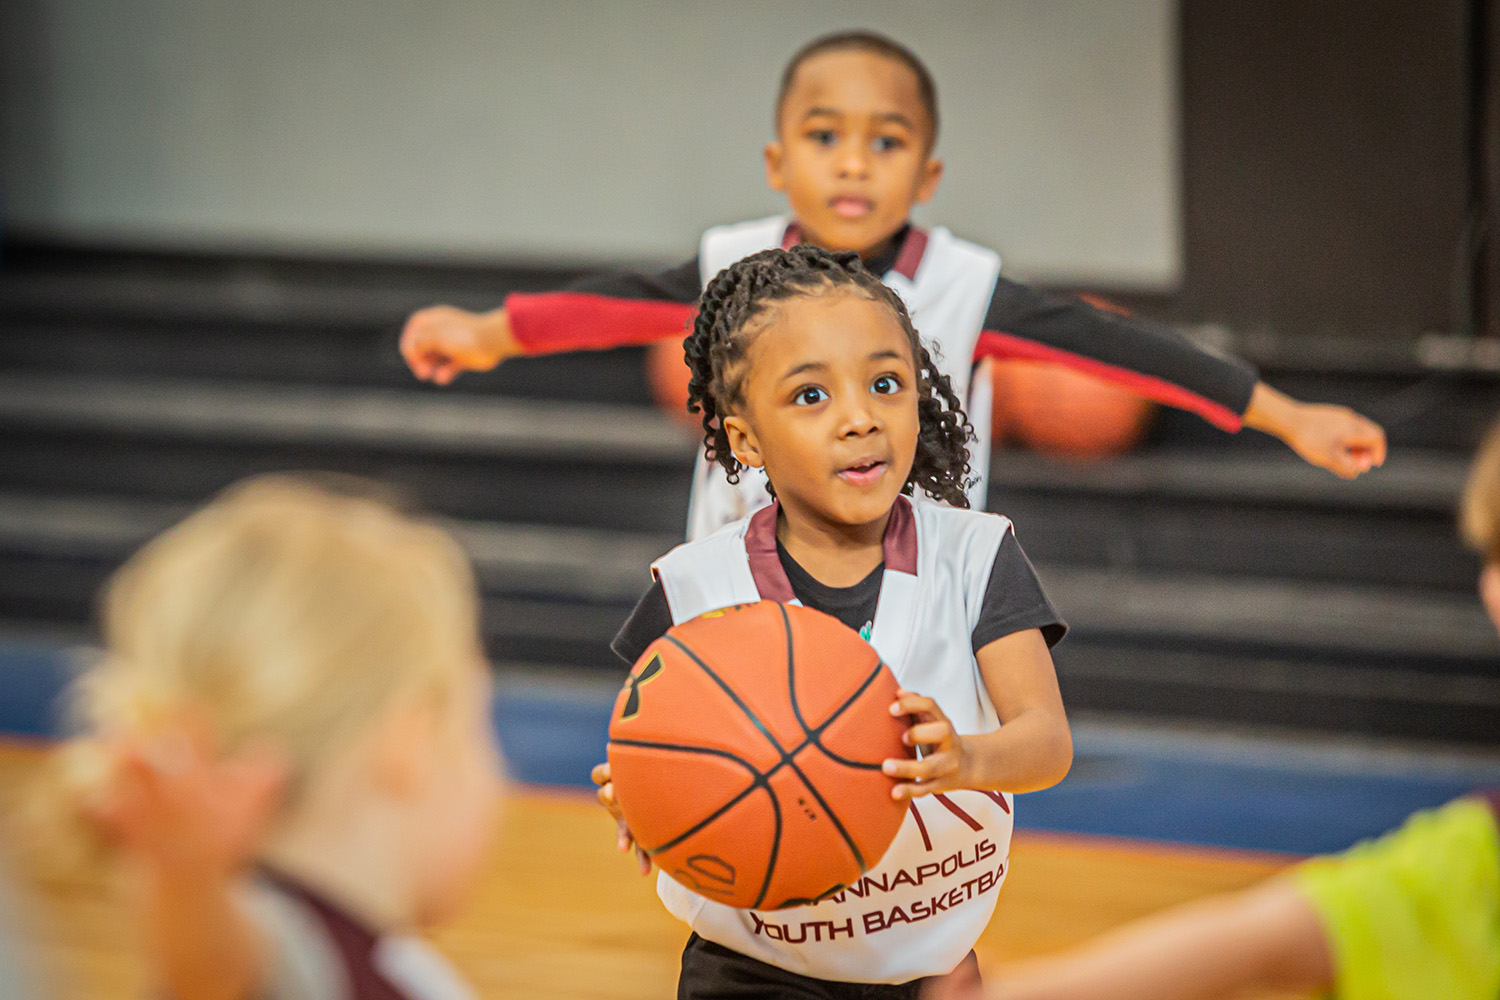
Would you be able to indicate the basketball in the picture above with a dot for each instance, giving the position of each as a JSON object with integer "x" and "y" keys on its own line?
{"x": 1066, "y": 414}
{"x": 668, "y": 375}
{"x": 746, "y": 750}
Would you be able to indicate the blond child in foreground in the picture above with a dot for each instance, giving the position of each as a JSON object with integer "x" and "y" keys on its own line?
{"x": 1414, "y": 915}
{"x": 290, "y": 745}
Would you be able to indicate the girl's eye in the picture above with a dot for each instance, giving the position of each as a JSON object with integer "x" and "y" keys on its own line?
{"x": 822, "y": 136}
{"x": 886, "y": 143}
{"x": 885, "y": 385}
{"x": 810, "y": 396}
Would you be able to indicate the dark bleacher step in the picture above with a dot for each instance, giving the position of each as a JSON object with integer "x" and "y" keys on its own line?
{"x": 591, "y": 465}
{"x": 284, "y": 318}
{"x": 1260, "y": 513}
{"x": 335, "y": 355}
{"x": 1422, "y": 408}
{"x": 554, "y": 594}
{"x": 1206, "y": 687}
{"x": 1313, "y": 656}
{"x": 264, "y": 322}
{"x": 1265, "y": 514}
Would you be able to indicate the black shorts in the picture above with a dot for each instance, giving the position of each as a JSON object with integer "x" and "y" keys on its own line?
{"x": 713, "y": 972}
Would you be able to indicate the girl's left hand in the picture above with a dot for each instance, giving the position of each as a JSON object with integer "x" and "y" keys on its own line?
{"x": 945, "y": 762}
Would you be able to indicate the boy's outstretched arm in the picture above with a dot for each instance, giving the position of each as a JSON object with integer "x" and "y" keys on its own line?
{"x": 1331, "y": 437}
{"x": 440, "y": 343}
{"x": 1267, "y": 937}
{"x": 1155, "y": 362}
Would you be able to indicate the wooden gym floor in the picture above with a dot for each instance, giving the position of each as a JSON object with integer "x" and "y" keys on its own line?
{"x": 558, "y": 913}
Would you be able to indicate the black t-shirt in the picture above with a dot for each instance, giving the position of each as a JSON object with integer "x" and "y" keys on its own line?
{"x": 1013, "y": 602}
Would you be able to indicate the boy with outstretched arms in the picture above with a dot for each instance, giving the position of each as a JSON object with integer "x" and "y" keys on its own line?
{"x": 856, "y": 122}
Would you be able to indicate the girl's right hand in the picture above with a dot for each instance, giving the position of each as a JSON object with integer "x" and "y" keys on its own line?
{"x": 623, "y": 840}
{"x": 440, "y": 342}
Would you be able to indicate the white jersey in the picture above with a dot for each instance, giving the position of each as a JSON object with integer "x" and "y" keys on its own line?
{"x": 919, "y": 911}
{"x": 318, "y": 951}
{"x": 946, "y": 284}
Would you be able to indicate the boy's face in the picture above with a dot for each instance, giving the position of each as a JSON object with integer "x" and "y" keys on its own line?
{"x": 852, "y": 148}
{"x": 830, "y": 408}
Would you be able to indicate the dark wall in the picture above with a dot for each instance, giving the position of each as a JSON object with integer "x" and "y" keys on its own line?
{"x": 1486, "y": 159}
{"x": 1325, "y": 160}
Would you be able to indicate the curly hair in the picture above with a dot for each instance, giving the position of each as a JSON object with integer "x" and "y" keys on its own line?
{"x": 741, "y": 300}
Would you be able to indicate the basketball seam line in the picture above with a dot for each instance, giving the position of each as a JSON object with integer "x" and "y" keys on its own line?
{"x": 730, "y": 692}
{"x": 815, "y": 735}
{"x": 761, "y": 781}
{"x": 785, "y": 757}
{"x": 810, "y": 739}
{"x": 791, "y": 674}
{"x": 758, "y": 782}
{"x": 776, "y": 841}
{"x": 761, "y": 778}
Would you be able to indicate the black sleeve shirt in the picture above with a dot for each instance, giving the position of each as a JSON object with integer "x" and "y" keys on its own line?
{"x": 1013, "y": 602}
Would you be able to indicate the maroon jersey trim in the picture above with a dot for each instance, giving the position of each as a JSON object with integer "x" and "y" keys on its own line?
{"x": 908, "y": 258}
{"x": 899, "y": 544}
{"x": 353, "y": 940}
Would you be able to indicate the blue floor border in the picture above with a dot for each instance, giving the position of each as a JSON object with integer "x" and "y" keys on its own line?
{"x": 1244, "y": 793}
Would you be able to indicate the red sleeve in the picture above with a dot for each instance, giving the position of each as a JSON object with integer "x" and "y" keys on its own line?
{"x": 1007, "y": 347}
{"x": 553, "y": 322}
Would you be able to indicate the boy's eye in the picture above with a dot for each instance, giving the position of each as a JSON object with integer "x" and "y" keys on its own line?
{"x": 822, "y": 136}
{"x": 811, "y": 396}
{"x": 886, "y": 143}
{"x": 885, "y": 385}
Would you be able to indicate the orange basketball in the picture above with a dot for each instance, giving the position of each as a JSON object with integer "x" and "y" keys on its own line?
{"x": 668, "y": 375}
{"x": 745, "y": 749}
{"x": 1058, "y": 411}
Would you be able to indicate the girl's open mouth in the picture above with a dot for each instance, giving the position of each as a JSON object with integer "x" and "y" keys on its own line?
{"x": 863, "y": 474}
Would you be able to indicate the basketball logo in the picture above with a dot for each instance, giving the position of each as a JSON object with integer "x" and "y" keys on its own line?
{"x": 633, "y": 683}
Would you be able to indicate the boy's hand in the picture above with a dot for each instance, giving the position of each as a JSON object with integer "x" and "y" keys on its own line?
{"x": 623, "y": 839}
{"x": 172, "y": 805}
{"x": 440, "y": 342}
{"x": 945, "y": 763}
{"x": 1331, "y": 437}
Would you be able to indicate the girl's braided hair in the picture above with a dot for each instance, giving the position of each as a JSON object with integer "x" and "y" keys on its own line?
{"x": 741, "y": 300}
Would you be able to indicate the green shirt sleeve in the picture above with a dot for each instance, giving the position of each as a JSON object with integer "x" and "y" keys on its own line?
{"x": 1415, "y": 914}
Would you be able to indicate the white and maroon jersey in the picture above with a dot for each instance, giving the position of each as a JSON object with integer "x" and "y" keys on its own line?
{"x": 318, "y": 951}
{"x": 946, "y": 283}
{"x": 919, "y": 911}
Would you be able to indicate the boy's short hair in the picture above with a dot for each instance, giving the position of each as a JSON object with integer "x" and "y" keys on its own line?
{"x": 1479, "y": 513}
{"x": 864, "y": 41}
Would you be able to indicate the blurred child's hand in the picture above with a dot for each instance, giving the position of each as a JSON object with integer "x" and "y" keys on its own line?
{"x": 962, "y": 983}
{"x": 945, "y": 763}
{"x": 440, "y": 342}
{"x": 623, "y": 839}
{"x": 173, "y": 804}
{"x": 1331, "y": 437}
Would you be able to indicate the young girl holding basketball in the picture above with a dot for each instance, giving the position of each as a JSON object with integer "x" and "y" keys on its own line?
{"x": 290, "y": 746}
{"x": 808, "y": 367}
